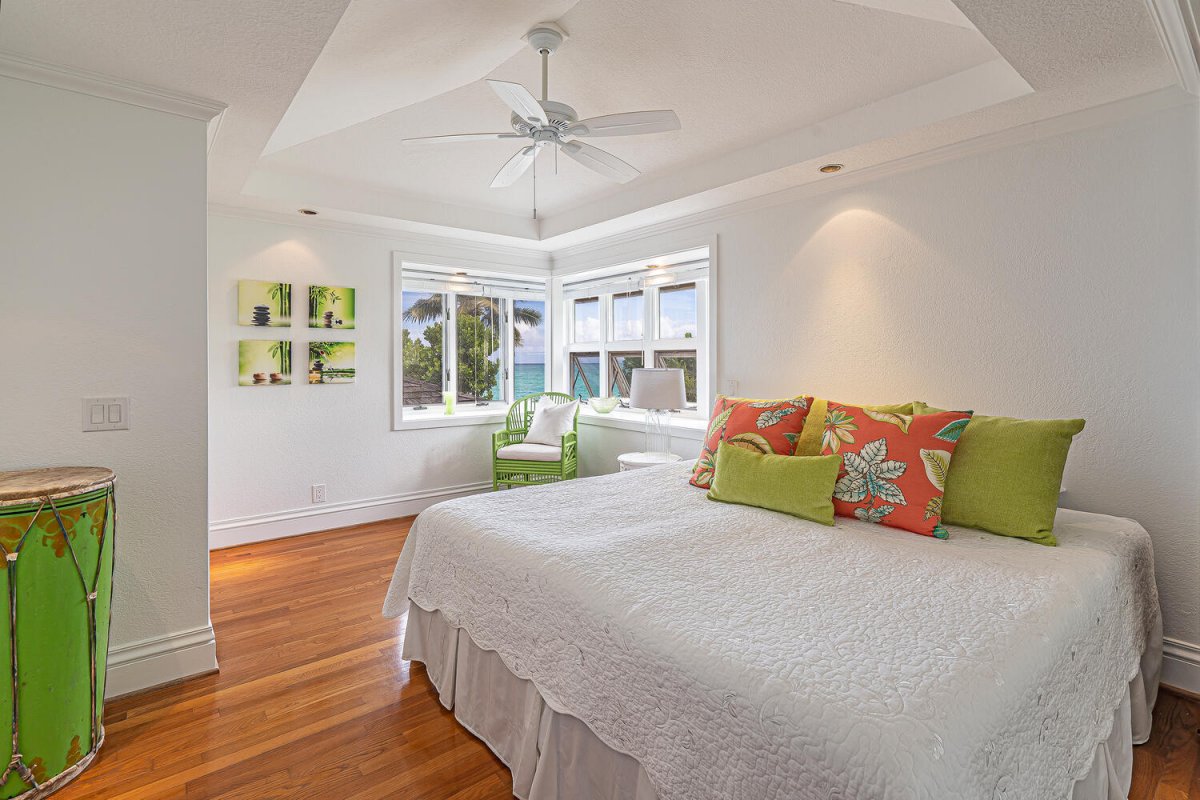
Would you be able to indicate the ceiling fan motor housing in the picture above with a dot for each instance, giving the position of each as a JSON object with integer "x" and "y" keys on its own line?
{"x": 561, "y": 117}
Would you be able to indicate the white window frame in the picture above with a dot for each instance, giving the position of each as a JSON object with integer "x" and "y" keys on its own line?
{"x": 703, "y": 342}
{"x": 404, "y": 417}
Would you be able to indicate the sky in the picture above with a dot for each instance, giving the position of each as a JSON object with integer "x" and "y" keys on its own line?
{"x": 677, "y": 317}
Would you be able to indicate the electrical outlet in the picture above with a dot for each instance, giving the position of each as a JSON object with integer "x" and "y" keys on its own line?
{"x": 732, "y": 388}
{"x": 318, "y": 491}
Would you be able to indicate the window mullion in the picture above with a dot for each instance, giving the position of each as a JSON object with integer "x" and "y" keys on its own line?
{"x": 450, "y": 335}
{"x": 508, "y": 354}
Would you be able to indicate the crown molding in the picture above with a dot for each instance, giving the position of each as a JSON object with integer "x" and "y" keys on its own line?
{"x": 93, "y": 83}
{"x": 585, "y": 254}
{"x": 410, "y": 242}
{"x": 1177, "y": 29}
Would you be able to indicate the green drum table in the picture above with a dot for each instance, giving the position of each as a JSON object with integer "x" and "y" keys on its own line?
{"x": 57, "y": 530}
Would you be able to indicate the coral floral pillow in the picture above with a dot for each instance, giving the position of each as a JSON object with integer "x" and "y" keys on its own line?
{"x": 893, "y": 465}
{"x": 762, "y": 426}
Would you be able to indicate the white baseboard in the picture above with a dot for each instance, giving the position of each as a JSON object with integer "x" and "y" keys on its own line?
{"x": 152, "y": 662}
{"x": 1181, "y": 665}
{"x": 298, "y": 521}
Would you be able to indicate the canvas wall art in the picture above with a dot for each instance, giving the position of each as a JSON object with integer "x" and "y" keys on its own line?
{"x": 264, "y": 304}
{"x": 330, "y": 307}
{"x": 331, "y": 362}
{"x": 264, "y": 363}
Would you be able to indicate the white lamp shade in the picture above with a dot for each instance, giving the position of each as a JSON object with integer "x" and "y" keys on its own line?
{"x": 657, "y": 388}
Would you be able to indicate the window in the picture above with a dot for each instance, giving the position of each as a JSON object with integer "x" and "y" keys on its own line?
{"x": 627, "y": 317}
{"x": 585, "y": 375}
{"x": 684, "y": 360}
{"x": 621, "y": 367}
{"x": 482, "y": 337}
{"x": 677, "y": 312}
{"x": 529, "y": 347}
{"x": 423, "y": 338}
{"x": 640, "y": 317}
{"x": 587, "y": 319}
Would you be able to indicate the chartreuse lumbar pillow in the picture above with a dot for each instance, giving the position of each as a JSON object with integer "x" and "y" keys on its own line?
{"x": 809, "y": 443}
{"x": 798, "y": 485}
{"x": 1007, "y": 474}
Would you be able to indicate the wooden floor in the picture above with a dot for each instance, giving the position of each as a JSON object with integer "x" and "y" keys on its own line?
{"x": 313, "y": 700}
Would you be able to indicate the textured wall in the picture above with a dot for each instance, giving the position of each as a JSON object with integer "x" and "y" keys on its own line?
{"x": 270, "y": 444}
{"x": 1053, "y": 279}
{"x": 102, "y": 253}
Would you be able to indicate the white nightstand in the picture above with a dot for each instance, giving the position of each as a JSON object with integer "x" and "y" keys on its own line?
{"x": 630, "y": 461}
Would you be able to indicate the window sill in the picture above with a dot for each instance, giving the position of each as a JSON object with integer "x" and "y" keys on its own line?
{"x": 435, "y": 418}
{"x": 691, "y": 428}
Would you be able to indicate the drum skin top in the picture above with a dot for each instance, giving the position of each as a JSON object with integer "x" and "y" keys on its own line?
{"x": 33, "y": 484}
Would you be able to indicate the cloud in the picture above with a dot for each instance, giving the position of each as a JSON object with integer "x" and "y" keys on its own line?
{"x": 671, "y": 328}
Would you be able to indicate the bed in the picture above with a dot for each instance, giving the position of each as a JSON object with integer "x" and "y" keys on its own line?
{"x": 623, "y": 636}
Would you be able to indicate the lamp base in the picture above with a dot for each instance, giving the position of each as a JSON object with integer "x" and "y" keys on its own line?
{"x": 658, "y": 431}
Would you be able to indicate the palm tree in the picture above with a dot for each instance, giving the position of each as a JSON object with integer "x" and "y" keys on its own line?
{"x": 485, "y": 309}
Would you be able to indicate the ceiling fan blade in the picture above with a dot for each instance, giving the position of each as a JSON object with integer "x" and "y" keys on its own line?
{"x": 515, "y": 167}
{"x": 518, "y": 98}
{"x": 601, "y": 161}
{"x": 462, "y": 137}
{"x": 627, "y": 124}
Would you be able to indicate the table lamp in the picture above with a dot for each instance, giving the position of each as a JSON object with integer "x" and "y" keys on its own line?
{"x": 659, "y": 392}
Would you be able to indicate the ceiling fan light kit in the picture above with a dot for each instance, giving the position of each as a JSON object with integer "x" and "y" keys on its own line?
{"x": 548, "y": 123}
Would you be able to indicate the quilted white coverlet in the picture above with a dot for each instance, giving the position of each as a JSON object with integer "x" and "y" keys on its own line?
{"x": 740, "y": 653}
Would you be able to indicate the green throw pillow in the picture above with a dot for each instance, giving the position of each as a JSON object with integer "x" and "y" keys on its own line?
{"x": 1006, "y": 474}
{"x": 798, "y": 485}
{"x": 809, "y": 443}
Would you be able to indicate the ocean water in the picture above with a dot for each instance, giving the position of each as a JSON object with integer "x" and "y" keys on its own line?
{"x": 528, "y": 379}
{"x": 531, "y": 379}
{"x": 592, "y": 371}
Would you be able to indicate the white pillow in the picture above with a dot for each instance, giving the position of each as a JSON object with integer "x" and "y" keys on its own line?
{"x": 551, "y": 422}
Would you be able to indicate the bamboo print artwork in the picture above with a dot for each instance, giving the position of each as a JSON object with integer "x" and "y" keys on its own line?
{"x": 330, "y": 307}
{"x": 265, "y": 304}
{"x": 330, "y": 362}
{"x": 264, "y": 363}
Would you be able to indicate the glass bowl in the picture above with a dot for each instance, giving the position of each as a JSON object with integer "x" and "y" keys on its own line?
{"x": 604, "y": 405}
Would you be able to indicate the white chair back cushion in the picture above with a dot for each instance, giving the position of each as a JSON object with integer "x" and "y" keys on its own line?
{"x": 551, "y": 422}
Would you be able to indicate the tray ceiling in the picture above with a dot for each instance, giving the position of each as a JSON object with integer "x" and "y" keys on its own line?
{"x": 320, "y": 92}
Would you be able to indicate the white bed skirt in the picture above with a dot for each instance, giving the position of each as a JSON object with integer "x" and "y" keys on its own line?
{"x": 554, "y": 756}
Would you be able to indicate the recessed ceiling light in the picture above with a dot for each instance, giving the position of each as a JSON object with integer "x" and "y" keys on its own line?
{"x": 831, "y": 168}
{"x": 308, "y": 212}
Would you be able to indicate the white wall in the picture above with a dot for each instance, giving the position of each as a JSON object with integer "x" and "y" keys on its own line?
{"x": 102, "y": 251}
{"x": 1057, "y": 278}
{"x": 270, "y": 444}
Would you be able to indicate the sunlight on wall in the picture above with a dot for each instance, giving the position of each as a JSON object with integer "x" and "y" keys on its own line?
{"x": 860, "y": 276}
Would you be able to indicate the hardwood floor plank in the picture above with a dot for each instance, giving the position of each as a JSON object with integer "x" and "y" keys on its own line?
{"x": 313, "y": 699}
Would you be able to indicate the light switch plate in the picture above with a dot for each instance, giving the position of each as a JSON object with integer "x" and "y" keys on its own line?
{"x": 105, "y": 414}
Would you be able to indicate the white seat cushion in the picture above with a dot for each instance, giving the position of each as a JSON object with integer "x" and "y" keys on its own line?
{"x": 529, "y": 452}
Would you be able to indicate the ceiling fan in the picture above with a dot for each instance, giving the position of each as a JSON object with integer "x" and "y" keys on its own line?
{"x": 551, "y": 124}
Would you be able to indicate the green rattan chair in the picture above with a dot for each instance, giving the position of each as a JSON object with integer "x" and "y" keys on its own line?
{"x": 512, "y": 472}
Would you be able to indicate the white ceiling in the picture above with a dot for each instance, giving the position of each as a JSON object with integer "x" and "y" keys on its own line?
{"x": 737, "y": 74}
{"x": 320, "y": 92}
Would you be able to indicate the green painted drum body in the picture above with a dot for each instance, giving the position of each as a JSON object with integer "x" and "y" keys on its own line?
{"x": 56, "y": 546}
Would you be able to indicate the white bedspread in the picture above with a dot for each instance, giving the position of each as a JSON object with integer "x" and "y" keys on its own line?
{"x": 740, "y": 653}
